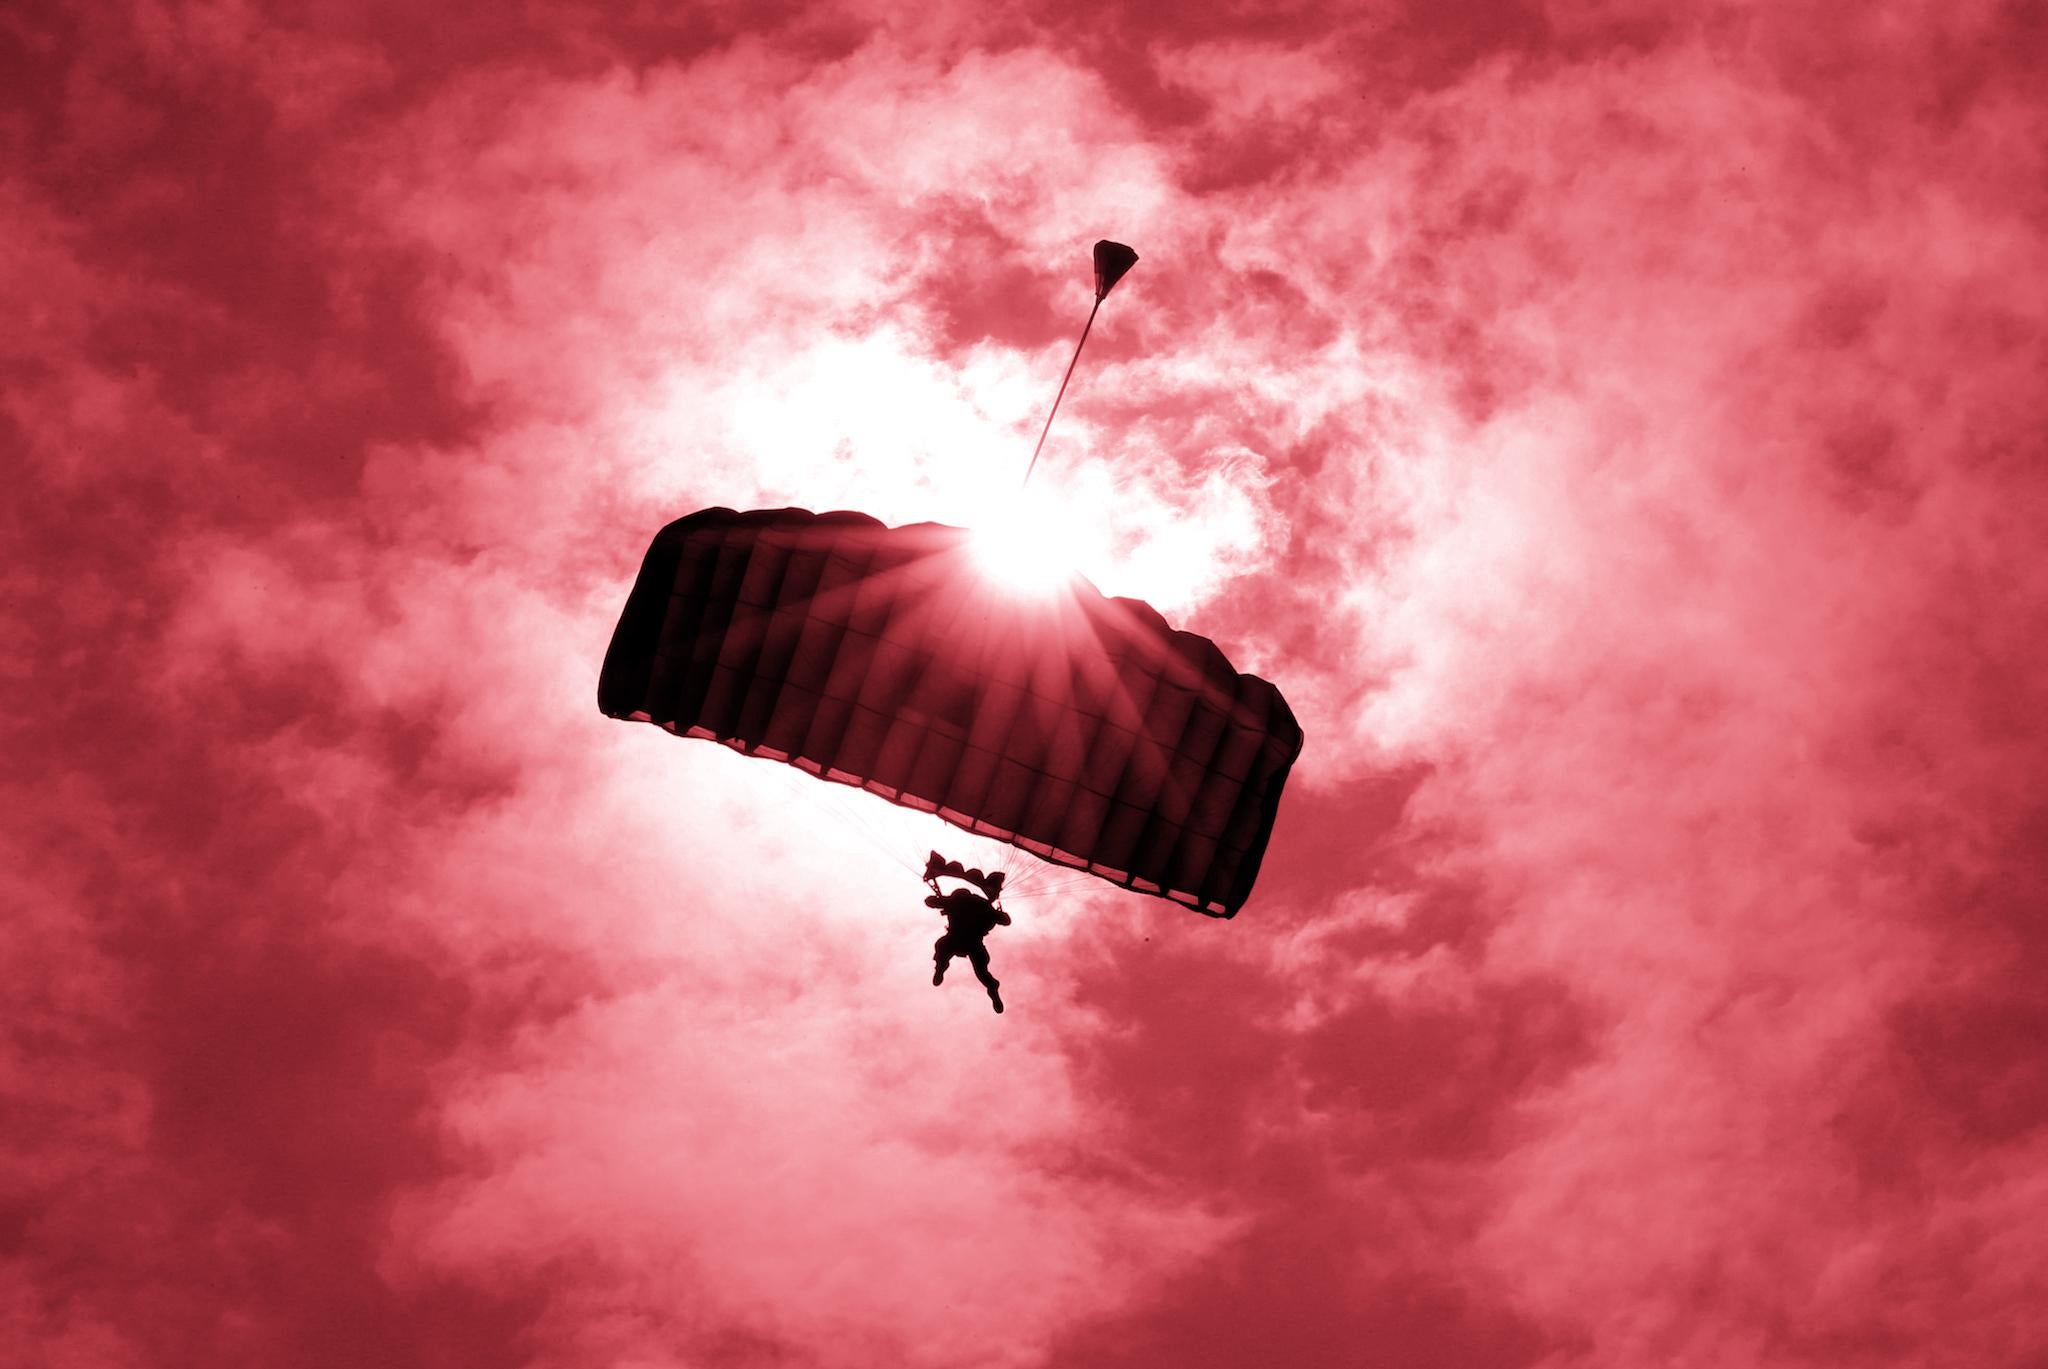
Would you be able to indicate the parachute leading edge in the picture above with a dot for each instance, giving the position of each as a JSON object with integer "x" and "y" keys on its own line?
{"x": 1078, "y": 727}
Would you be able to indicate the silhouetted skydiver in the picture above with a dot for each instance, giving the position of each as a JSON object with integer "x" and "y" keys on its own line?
{"x": 969, "y": 920}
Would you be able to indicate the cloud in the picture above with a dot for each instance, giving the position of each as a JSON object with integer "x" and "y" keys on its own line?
{"x": 1618, "y": 433}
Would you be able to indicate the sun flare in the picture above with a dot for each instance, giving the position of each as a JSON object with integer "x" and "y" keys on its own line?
{"x": 1029, "y": 550}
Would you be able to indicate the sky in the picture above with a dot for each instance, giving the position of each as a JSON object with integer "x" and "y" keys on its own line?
{"x": 1616, "y": 428}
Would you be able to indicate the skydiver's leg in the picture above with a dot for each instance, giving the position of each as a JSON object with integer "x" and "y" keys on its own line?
{"x": 942, "y": 956}
{"x": 977, "y": 956}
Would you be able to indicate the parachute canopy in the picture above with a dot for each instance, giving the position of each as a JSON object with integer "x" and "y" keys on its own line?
{"x": 1080, "y": 728}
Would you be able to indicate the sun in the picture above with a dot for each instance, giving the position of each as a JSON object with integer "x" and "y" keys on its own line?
{"x": 1028, "y": 549}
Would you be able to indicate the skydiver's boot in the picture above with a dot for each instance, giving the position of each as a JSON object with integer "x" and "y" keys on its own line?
{"x": 995, "y": 999}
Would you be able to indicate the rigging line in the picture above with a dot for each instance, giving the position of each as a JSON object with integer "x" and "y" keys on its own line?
{"x": 1046, "y": 892}
{"x": 834, "y": 808}
{"x": 1069, "y": 877}
{"x": 1056, "y": 888}
{"x": 1034, "y": 870}
{"x": 1060, "y": 876}
{"x": 882, "y": 842}
{"x": 1024, "y": 874}
{"x": 1061, "y": 395}
{"x": 1033, "y": 873}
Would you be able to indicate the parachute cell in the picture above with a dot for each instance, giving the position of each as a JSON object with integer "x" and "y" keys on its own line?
{"x": 1080, "y": 728}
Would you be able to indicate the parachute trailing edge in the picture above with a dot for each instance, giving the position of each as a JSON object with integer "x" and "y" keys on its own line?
{"x": 1075, "y": 726}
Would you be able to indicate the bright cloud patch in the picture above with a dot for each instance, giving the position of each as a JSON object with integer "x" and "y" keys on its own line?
{"x": 1618, "y": 435}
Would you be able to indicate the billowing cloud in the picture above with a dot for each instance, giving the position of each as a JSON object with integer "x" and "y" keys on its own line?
{"x": 1619, "y": 435}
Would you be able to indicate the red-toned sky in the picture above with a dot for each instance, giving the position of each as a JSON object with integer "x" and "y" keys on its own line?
{"x": 1619, "y": 429}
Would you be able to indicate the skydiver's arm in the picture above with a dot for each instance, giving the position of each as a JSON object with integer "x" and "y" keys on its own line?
{"x": 1002, "y": 918}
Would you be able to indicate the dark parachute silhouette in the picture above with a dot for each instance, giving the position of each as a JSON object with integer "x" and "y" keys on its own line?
{"x": 1112, "y": 259}
{"x": 1080, "y": 728}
